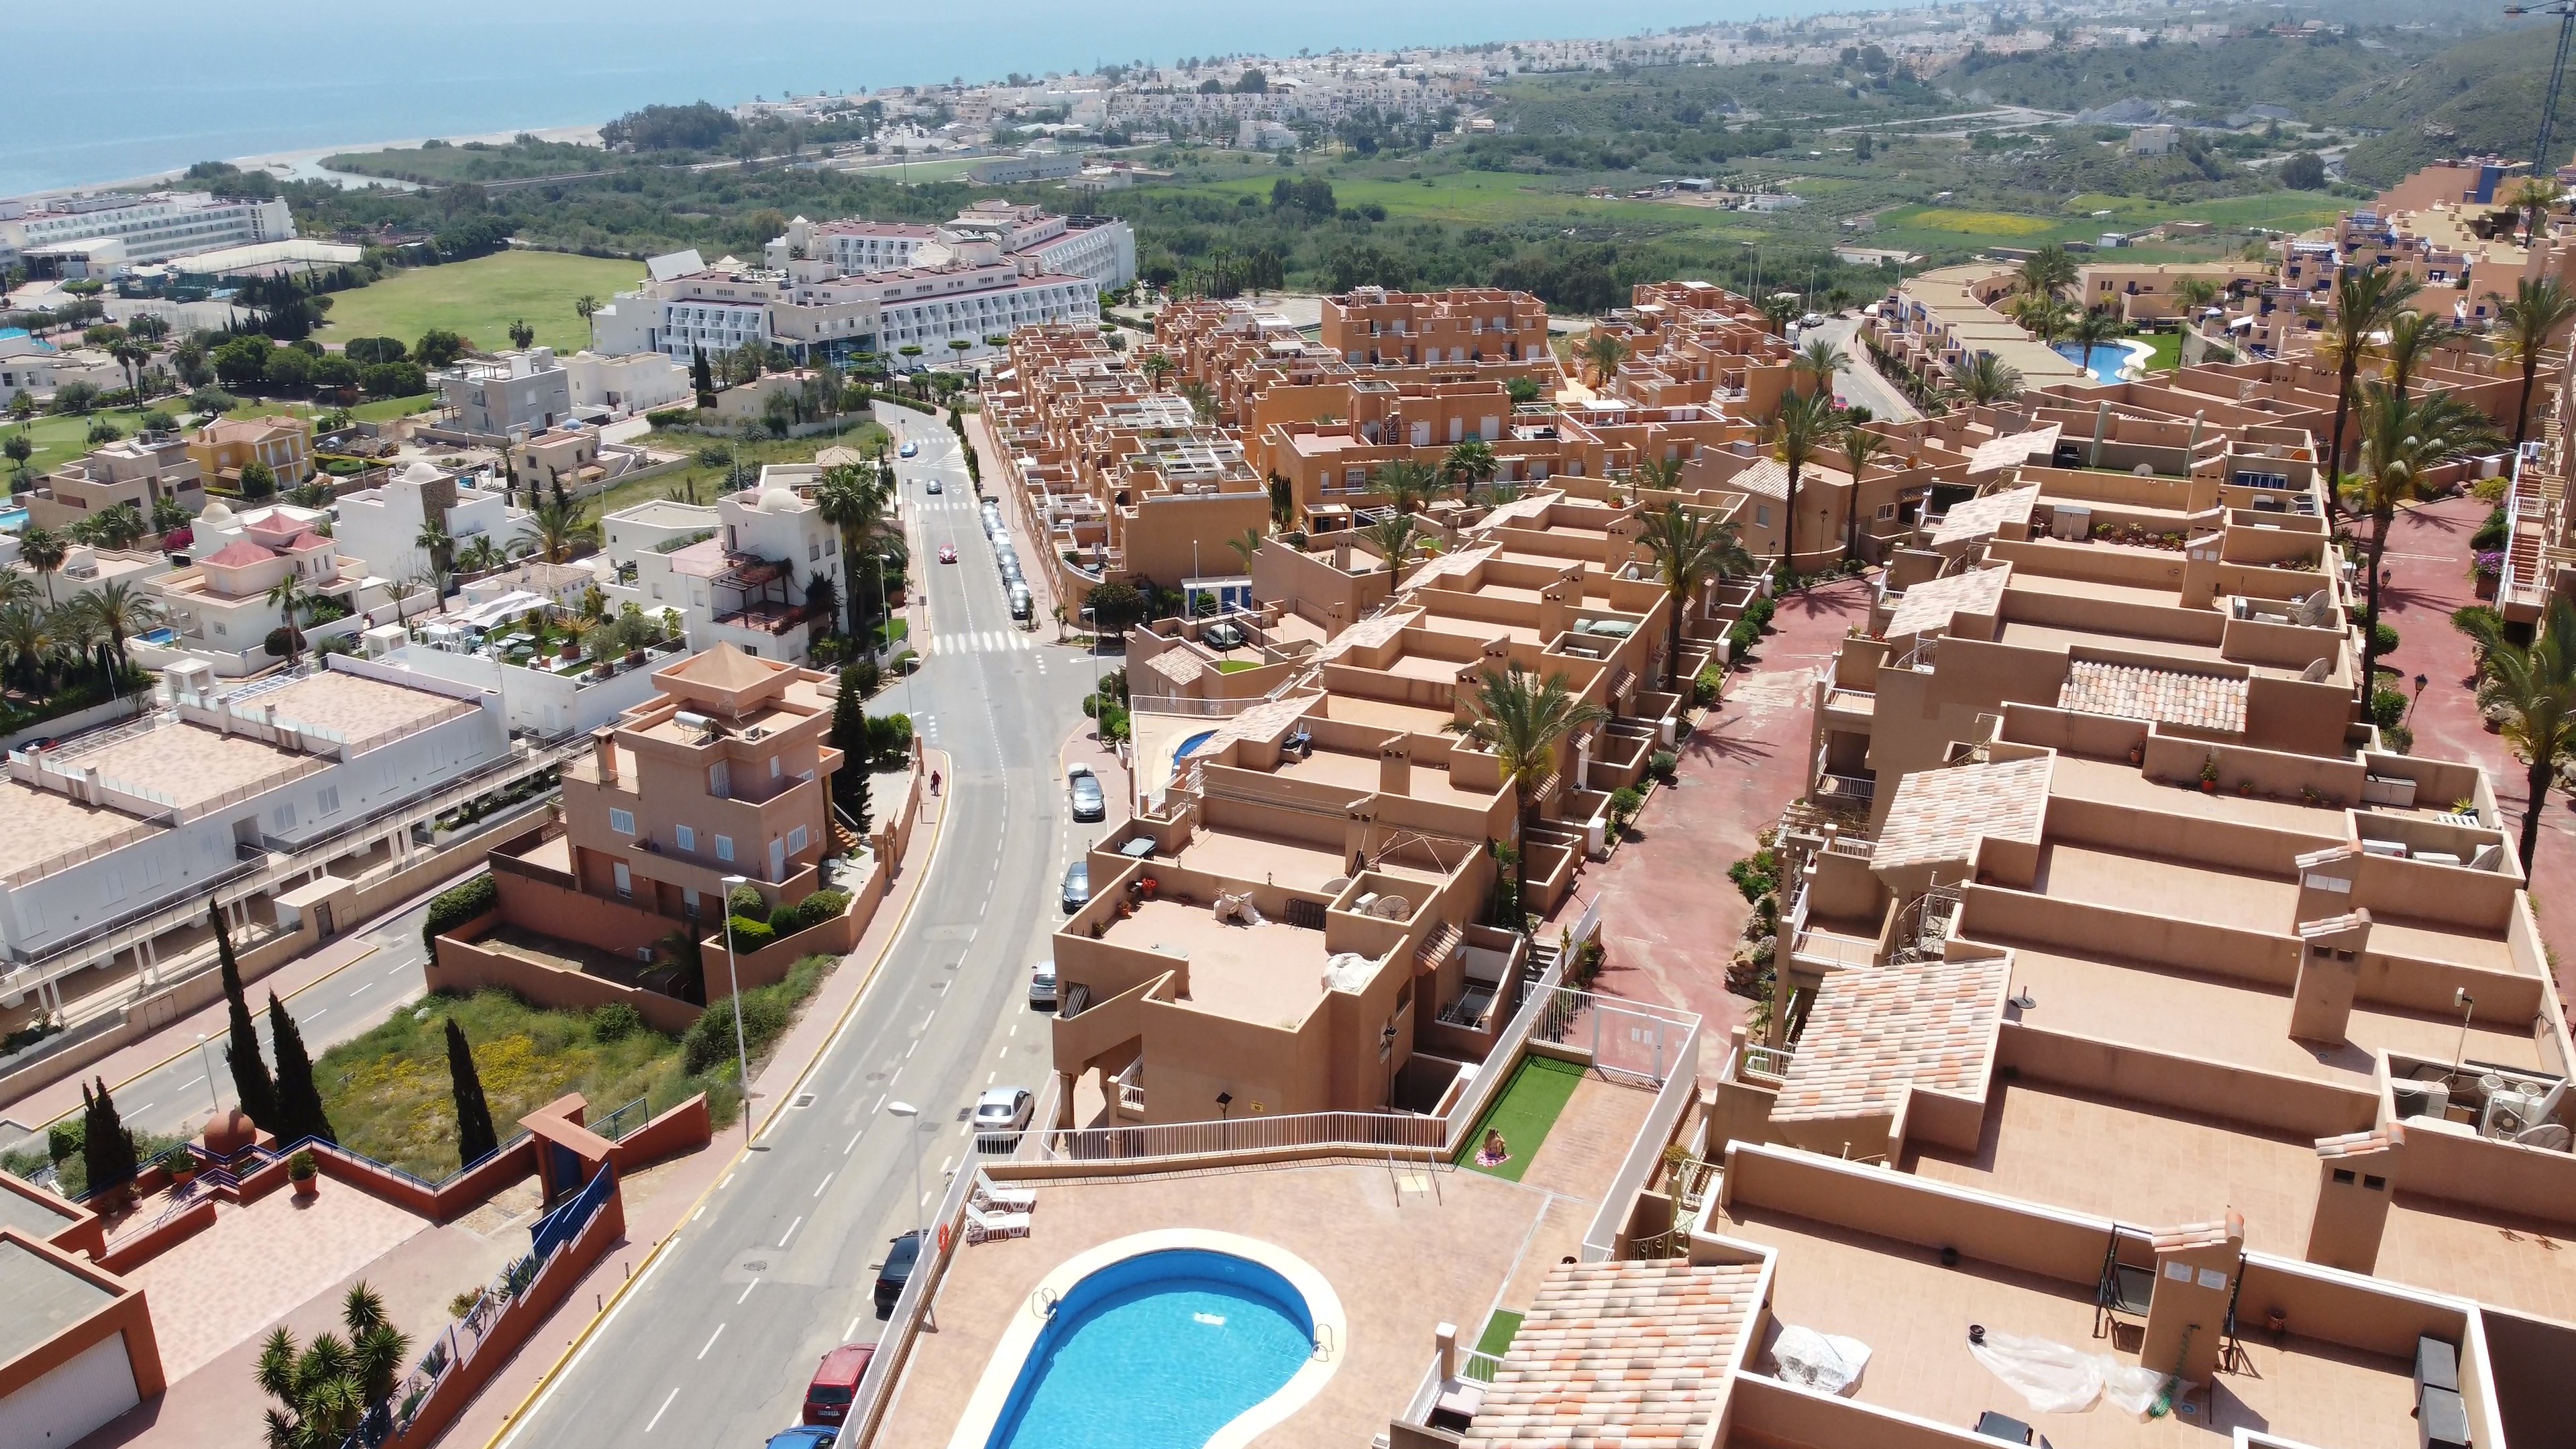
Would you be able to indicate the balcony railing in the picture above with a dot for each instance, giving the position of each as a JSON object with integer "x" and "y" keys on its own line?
{"x": 1765, "y": 1063}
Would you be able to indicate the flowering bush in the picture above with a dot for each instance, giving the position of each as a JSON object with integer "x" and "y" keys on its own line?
{"x": 2486, "y": 564}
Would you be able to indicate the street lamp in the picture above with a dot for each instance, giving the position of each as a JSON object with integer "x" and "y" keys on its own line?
{"x": 907, "y": 1112}
{"x": 209, "y": 1059}
{"x": 733, "y": 978}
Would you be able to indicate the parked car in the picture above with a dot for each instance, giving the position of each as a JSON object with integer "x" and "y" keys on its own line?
{"x": 836, "y": 1383}
{"x": 1022, "y": 605}
{"x": 1088, "y": 803}
{"x": 1077, "y": 886}
{"x": 911, "y": 449}
{"x": 948, "y": 553}
{"x": 1001, "y": 1114}
{"x": 896, "y": 1270}
{"x": 805, "y": 1436}
{"x": 930, "y": 485}
{"x": 1042, "y": 995}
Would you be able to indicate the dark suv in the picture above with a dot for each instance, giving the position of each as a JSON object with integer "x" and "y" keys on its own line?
{"x": 900, "y": 1256}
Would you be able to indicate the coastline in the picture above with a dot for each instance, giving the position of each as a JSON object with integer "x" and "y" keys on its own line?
{"x": 305, "y": 164}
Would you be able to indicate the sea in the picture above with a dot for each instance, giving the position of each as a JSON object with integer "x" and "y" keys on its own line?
{"x": 150, "y": 86}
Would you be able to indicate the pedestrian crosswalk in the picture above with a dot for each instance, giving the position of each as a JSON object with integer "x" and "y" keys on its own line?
{"x": 983, "y": 641}
{"x": 946, "y": 503}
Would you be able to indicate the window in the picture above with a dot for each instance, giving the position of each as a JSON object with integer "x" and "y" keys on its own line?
{"x": 283, "y": 816}
{"x": 684, "y": 837}
{"x": 720, "y": 779}
{"x": 622, "y": 821}
{"x": 724, "y": 847}
{"x": 776, "y": 767}
{"x": 624, "y": 877}
{"x": 328, "y": 798}
{"x": 1762, "y": 515}
{"x": 796, "y": 840}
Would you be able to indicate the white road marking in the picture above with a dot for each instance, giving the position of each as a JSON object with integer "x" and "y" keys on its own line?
{"x": 728, "y": 1182}
{"x": 146, "y": 1107}
{"x": 826, "y": 1182}
{"x": 851, "y": 1332}
{"x": 701, "y": 1212}
{"x": 854, "y": 1141}
{"x": 666, "y": 1405}
{"x": 991, "y": 1078}
{"x": 354, "y": 995}
{"x": 711, "y": 1340}
{"x": 791, "y": 1231}
{"x": 1015, "y": 1029}
{"x": 746, "y": 1292}
{"x": 908, "y": 1051}
{"x": 872, "y": 1111}
{"x": 317, "y": 1015}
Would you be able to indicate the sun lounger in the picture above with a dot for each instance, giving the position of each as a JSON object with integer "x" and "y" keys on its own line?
{"x": 992, "y": 1196}
{"x": 983, "y": 1225}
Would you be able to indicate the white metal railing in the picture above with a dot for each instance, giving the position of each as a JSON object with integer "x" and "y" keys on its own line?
{"x": 1921, "y": 657}
{"x": 1131, "y": 1086}
{"x": 1846, "y": 843}
{"x": 1851, "y": 789}
{"x": 1673, "y": 1098}
{"x": 1768, "y": 1062}
{"x": 1373, "y": 1131}
{"x": 1844, "y": 953}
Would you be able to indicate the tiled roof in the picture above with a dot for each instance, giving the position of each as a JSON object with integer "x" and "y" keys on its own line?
{"x": 1179, "y": 666}
{"x": 1629, "y": 1354}
{"x": 1939, "y": 815}
{"x": 1368, "y": 633}
{"x": 240, "y": 553}
{"x": 1769, "y": 478}
{"x": 2167, "y": 696}
{"x": 2355, "y": 1144}
{"x": 1873, "y": 1035}
{"x": 1996, "y": 454}
{"x": 1981, "y": 517}
{"x": 1927, "y": 607}
{"x": 2213, "y": 1234}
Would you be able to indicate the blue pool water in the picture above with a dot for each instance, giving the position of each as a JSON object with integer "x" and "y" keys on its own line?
{"x": 1157, "y": 1352}
{"x": 12, "y": 519}
{"x": 161, "y": 635}
{"x": 1191, "y": 745}
{"x": 2105, "y": 364}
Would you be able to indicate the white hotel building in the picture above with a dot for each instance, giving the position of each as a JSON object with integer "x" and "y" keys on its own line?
{"x": 151, "y": 228}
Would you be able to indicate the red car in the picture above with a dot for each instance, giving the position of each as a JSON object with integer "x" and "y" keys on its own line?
{"x": 836, "y": 1383}
{"x": 947, "y": 553}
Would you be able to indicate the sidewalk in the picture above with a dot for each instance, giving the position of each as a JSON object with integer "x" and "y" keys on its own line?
{"x": 129, "y": 1062}
{"x": 651, "y": 1223}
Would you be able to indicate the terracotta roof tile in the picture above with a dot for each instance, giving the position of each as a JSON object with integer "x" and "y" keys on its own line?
{"x": 1928, "y": 607}
{"x": 1939, "y": 815}
{"x": 2167, "y": 696}
{"x": 240, "y": 553}
{"x": 1981, "y": 517}
{"x": 1631, "y": 1354}
{"x": 1874, "y": 1035}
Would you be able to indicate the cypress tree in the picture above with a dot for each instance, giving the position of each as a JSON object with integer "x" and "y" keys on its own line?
{"x": 250, "y": 1074}
{"x": 475, "y": 1138}
{"x": 702, "y": 378}
{"x": 107, "y": 1149}
{"x": 850, "y": 736}
{"x": 299, "y": 1102}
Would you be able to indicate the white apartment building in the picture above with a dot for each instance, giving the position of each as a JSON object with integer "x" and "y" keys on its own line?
{"x": 507, "y": 394}
{"x": 737, "y": 570}
{"x": 381, "y": 527}
{"x": 544, "y": 697}
{"x": 121, "y": 822}
{"x": 822, "y": 317}
{"x": 218, "y": 606}
{"x": 632, "y": 382}
{"x": 160, "y": 225}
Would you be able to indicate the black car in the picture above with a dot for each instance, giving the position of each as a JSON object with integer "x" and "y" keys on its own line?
{"x": 1087, "y": 801}
{"x": 1077, "y": 886}
{"x": 900, "y": 1256}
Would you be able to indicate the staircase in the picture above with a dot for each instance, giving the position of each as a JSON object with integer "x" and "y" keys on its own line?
{"x": 1438, "y": 945}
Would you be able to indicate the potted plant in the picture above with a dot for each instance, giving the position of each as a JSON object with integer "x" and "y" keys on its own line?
{"x": 2209, "y": 775}
{"x": 2138, "y": 753}
{"x": 1149, "y": 886}
{"x": 182, "y": 1167}
{"x": 303, "y": 1174}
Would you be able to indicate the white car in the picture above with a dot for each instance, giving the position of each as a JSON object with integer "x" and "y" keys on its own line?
{"x": 910, "y": 449}
{"x": 1042, "y": 992}
{"x": 1004, "y": 1109}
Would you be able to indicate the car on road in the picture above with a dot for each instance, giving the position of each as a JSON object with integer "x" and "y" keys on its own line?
{"x": 930, "y": 485}
{"x": 897, "y": 1270}
{"x": 1088, "y": 803}
{"x": 805, "y": 1436}
{"x": 1077, "y": 886}
{"x": 948, "y": 553}
{"x": 836, "y": 1383}
{"x": 1001, "y": 1114}
{"x": 911, "y": 449}
{"x": 1023, "y": 607}
{"x": 1812, "y": 319}
{"x": 1042, "y": 995}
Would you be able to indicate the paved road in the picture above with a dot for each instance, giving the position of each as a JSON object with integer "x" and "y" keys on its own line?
{"x": 716, "y": 1345}
{"x": 1860, "y": 383}
{"x": 171, "y": 1099}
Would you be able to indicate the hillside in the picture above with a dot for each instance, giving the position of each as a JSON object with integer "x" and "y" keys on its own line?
{"x": 2307, "y": 76}
{"x": 2486, "y": 93}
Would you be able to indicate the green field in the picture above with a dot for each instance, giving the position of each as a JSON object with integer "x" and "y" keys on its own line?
{"x": 481, "y": 298}
{"x": 58, "y": 440}
{"x": 1501, "y": 198}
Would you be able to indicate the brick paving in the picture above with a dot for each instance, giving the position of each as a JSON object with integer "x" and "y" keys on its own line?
{"x": 1669, "y": 915}
{"x": 231, "y": 1281}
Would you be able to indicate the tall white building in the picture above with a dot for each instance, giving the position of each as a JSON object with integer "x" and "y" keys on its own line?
{"x": 151, "y": 228}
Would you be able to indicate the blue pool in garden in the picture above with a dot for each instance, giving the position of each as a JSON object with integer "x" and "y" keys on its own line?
{"x": 1191, "y": 745}
{"x": 1157, "y": 1351}
{"x": 2108, "y": 357}
{"x": 12, "y": 519}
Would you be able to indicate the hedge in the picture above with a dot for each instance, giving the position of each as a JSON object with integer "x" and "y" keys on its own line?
{"x": 928, "y": 409}
{"x": 455, "y": 906}
{"x": 672, "y": 417}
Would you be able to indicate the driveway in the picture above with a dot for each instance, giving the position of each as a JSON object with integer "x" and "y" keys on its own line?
{"x": 1860, "y": 383}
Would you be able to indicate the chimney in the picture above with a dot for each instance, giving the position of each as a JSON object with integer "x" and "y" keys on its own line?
{"x": 1342, "y": 552}
{"x": 2329, "y": 963}
{"x": 603, "y": 749}
{"x": 2354, "y": 1177}
{"x": 1554, "y": 615}
{"x": 2326, "y": 880}
{"x": 1394, "y": 768}
{"x": 2196, "y": 1268}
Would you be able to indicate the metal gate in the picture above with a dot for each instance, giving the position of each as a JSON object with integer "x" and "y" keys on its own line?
{"x": 1625, "y": 1039}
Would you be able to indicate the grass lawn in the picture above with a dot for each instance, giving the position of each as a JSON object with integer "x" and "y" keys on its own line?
{"x": 1538, "y": 1090}
{"x": 59, "y": 440}
{"x": 1236, "y": 666}
{"x": 704, "y": 480}
{"x": 1498, "y": 1333}
{"x": 481, "y": 298}
{"x": 2167, "y": 353}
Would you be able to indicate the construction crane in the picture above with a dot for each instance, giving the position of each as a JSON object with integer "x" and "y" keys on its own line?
{"x": 2565, "y": 10}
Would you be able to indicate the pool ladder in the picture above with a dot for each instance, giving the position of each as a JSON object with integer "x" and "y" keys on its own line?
{"x": 1044, "y": 1303}
{"x": 1323, "y": 1344}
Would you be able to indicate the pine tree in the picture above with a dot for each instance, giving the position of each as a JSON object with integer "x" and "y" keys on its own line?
{"x": 850, "y": 736}
{"x": 299, "y": 1102}
{"x": 107, "y": 1149}
{"x": 250, "y": 1074}
{"x": 475, "y": 1138}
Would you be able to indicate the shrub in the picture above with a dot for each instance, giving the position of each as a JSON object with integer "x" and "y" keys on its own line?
{"x": 672, "y": 417}
{"x": 750, "y": 935}
{"x": 615, "y": 1022}
{"x": 1625, "y": 802}
{"x": 63, "y": 1139}
{"x": 1661, "y": 764}
{"x": 889, "y": 741}
{"x": 1707, "y": 685}
{"x": 819, "y": 907}
{"x": 280, "y": 640}
{"x": 2491, "y": 535}
{"x": 2387, "y": 707}
{"x": 455, "y": 906}
{"x": 1756, "y": 875}
{"x": 2399, "y": 738}
{"x": 2384, "y": 635}
{"x": 747, "y": 901}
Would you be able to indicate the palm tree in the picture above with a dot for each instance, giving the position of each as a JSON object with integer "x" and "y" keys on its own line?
{"x": 1819, "y": 359}
{"x": 1468, "y": 464}
{"x": 2095, "y": 329}
{"x": 43, "y": 550}
{"x": 479, "y": 556}
{"x": 168, "y": 514}
{"x": 2412, "y": 336}
{"x": 15, "y": 589}
{"x": 1780, "y": 309}
{"x": 433, "y": 540}
{"x": 131, "y": 354}
{"x": 1246, "y": 545}
{"x": 291, "y": 598}
{"x": 29, "y": 645}
{"x": 553, "y": 526}
{"x": 1202, "y": 400}
{"x": 1859, "y": 446}
{"x": 2533, "y": 688}
{"x": 1523, "y": 721}
{"x": 2402, "y": 438}
{"x": 328, "y": 1387}
{"x": 1988, "y": 379}
{"x": 1395, "y": 535}
{"x": 2527, "y": 326}
{"x": 1405, "y": 483}
{"x": 2047, "y": 272}
{"x": 1606, "y": 352}
{"x": 2532, "y": 196}
{"x": 1156, "y": 366}
{"x": 586, "y": 307}
{"x": 2365, "y": 302}
{"x": 2041, "y": 314}
{"x": 123, "y": 610}
{"x": 1662, "y": 475}
{"x": 1803, "y": 427}
{"x": 1689, "y": 548}
{"x": 2193, "y": 296}
{"x": 850, "y": 500}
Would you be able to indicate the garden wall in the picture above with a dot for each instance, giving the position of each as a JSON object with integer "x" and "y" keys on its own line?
{"x": 461, "y": 966}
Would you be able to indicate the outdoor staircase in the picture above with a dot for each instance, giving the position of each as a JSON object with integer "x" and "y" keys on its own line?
{"x": 1438, "y": 945}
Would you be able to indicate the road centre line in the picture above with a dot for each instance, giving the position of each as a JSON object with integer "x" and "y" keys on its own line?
{"x": 666, "y": 1408}
{"x": 711, "y": 1341}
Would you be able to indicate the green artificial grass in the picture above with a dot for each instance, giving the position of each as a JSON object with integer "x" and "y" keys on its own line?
{"x": 1498, "y": 1332}
{"x": 1527, "y": 1108}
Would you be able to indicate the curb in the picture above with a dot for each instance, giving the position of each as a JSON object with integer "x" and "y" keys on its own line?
{"x": 512, "y": 1421}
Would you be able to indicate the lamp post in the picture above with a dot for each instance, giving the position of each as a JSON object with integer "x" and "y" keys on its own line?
{"x": 2420, "y": 681}
{"x": 907, "y": 1112}
{"x": 209, "y": 1059}
{"x": 733, "y": 978}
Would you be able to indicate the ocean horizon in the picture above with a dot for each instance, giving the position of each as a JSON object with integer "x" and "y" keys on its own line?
{"x": 269, "y": 76}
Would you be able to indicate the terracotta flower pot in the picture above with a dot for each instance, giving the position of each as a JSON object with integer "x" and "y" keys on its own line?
{"x": 307, "y": 1186}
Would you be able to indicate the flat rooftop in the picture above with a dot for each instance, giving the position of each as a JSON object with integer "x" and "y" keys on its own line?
{"x": 1389, "y": 715}
{"x": 43, "y": 825}
{"x": 1914, "y": 1315}
{"x": 2152, "y": 885}
{"x": 2495, "y": 1258}
{"x": 33, "y": 1216}
{"x": 1363, "y": 1229}
{"x": 1236, "y": 855}
{"x": 44, "y": 1298}
{"x": 187, "y": 765}
{"x": 356, "y": 708}
{"x": 1360, "y": 772}
{"x": 1271, "y": 974}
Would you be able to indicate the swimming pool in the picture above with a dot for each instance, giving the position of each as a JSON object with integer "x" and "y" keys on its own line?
{"x": 2108, "y": 359}
{"x": 1173, "y": 1339}
{"x": 12, "y": 519}
{"x": 1191, "y": 745}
